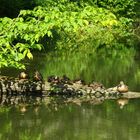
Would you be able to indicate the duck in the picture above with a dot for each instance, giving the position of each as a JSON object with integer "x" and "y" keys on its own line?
{"x": 122, "y": 87}
{"x": 54, "y": 79}
{"x": 96, "y": 85}
{"x": 37, "y": 76}
{"x": 23, "y": 75}
{"x": 66, "y": 80}
{"x": 79, "y": 81}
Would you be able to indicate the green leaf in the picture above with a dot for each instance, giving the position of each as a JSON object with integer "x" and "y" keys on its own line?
{"x": 29, "y": 55}
{"x": 25, "y": 52}
{"x": 49, "y": 33}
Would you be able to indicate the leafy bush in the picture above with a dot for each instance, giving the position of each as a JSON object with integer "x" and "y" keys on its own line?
{"x": 69, "y": 25}
{"x": 118, "y": 7}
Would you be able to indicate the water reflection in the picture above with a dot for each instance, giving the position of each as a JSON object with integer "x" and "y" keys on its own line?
{"x": 108, "y": 68}
{"x": 105, "y": 67}
{"x": 122, "y": 102}
{"x": 88, "y": 122}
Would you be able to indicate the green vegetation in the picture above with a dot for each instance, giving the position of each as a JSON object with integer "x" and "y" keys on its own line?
{"x": 65, "y": 25}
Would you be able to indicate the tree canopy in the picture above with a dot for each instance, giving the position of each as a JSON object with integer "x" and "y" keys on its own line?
{"x": 63, "y": 25}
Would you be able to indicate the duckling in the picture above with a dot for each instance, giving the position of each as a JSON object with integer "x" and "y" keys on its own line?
{"x": 96, "y": 85}
{"x": 53, "y": 79}
{"x": 65, "y": 80}
{"x": 38, "y": 76}
{"x": 79, "y": 81}
{"x": 122, "y": 87}
{"x": 23, "y": 75}
{"x": 50, "y": 78}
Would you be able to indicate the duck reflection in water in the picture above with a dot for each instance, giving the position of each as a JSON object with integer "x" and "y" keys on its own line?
{"x": 122, "y": 102}
{"x": 22, "y": 108}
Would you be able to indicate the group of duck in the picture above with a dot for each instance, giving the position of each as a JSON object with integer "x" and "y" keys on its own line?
{"x": 121, "y": 87}
{"x": 65, "y": 80}
{"x": 76, "y": 83}
{"x": 36, "y": 77}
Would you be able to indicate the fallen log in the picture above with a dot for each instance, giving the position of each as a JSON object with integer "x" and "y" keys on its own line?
{"x": 131, "y": 95}
{"x": 15, "y": 91}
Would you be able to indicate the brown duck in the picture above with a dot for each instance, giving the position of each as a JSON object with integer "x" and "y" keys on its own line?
{"x": 38, "y": 76}
{"x": 122, "y": 87}
{"x": 23, "y": 75}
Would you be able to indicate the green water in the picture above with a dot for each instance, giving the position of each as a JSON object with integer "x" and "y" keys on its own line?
{"x": 87, "y": 122}
{"x": 72, "y": 122}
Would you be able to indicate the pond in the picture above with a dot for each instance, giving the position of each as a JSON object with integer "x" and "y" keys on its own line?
{"x": 72, "y": 122}
{"x": 106, "y": 121}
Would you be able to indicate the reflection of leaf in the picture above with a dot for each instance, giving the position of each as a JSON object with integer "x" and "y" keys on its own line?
{"x": 137, "y": 75}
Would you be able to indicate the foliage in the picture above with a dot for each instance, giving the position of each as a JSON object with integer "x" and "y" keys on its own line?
{"x": 137, "y": 23}
{"x": 119, "y": 7}
{"x": 68, "y": 25}
{"x": 95, "y": 27}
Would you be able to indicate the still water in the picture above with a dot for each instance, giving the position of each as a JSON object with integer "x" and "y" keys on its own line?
{"x": 71, "y": 122}
{"x": 106, "y": 121}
